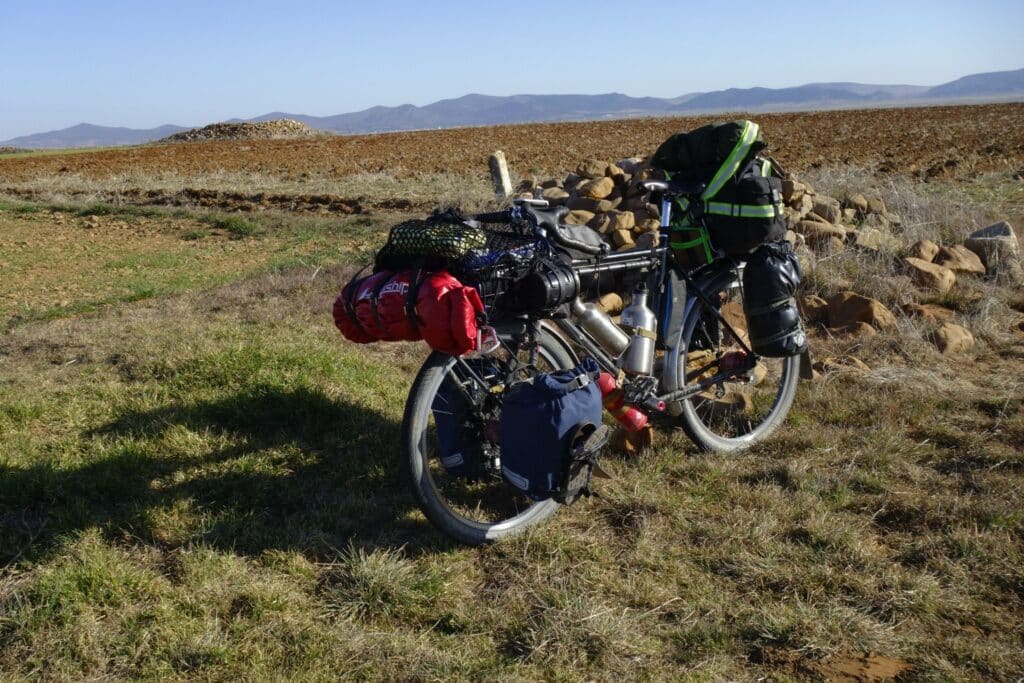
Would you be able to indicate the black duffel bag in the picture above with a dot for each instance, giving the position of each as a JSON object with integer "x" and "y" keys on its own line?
{"x": 770, "y": 280}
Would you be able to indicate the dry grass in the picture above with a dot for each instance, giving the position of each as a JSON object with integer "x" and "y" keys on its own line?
{"x": 206, "y": 484}
{"x": 473, "y": 192}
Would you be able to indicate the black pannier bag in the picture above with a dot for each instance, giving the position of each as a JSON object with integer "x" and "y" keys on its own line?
{"x": 741, "y": 204}
{"x": 770, "y": 280}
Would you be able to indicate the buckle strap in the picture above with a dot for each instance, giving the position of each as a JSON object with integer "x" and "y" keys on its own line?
{"x": 760, "y": 341}
{"x": 769, "y": 308}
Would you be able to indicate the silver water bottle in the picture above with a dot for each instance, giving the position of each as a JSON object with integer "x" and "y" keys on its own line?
{"x": 602, "y": 328}
{"x": 639, "y": 319}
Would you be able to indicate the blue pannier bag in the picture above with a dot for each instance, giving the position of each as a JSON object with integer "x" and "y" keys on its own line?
{"x": 551, "y": 433}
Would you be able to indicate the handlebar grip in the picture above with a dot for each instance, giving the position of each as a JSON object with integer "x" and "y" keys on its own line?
{"x": 494, "y": 217}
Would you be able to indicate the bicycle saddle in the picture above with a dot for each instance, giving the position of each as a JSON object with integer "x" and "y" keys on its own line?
{"x": 547, "y": 218}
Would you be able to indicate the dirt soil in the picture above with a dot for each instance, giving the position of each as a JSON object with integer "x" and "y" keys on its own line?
{"x": 924, "y": 142}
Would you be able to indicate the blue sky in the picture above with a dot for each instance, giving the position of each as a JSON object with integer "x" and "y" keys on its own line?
{"x": 140, "y": 64}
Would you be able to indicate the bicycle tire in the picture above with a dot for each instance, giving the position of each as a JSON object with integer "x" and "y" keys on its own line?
{"x": 423, "y": 471}
{"x": 704, "y": 418}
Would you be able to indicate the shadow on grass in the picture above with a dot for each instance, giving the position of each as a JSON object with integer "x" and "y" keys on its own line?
{"x": 260, "y": 470}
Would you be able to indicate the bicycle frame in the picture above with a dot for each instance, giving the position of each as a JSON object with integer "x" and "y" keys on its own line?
{"x": 698, "y": 283}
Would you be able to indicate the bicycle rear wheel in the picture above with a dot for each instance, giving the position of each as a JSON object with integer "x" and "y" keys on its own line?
{"x": 753, "y": 401}
{"x": 469, "y": 501}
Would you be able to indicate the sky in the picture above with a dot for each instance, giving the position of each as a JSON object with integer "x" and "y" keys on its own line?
{"x": 142, "y": 64}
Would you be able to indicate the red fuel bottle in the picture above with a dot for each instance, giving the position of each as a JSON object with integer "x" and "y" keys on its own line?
{"x": 629, "y": 417}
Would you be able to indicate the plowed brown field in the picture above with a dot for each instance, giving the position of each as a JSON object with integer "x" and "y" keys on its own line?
{"x": 925, "y": 142}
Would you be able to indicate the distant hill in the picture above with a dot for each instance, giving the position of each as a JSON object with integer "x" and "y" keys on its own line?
{"x": 486, "y": 110}
{"x": 89, "y": 135}
{"x": 980, "y": 85}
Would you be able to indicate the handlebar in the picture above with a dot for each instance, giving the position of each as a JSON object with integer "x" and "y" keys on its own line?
{"x": 494, "y": 217}
{"x": 674, "y": 188}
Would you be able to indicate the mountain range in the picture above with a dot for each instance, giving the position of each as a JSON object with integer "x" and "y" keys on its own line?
{"x": 486, "y": 110}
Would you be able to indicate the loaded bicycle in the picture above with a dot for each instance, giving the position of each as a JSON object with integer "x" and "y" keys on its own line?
{"x": 715, "y": 348}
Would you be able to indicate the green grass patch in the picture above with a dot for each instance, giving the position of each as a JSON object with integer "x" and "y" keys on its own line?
{"x": 237, "y": 226}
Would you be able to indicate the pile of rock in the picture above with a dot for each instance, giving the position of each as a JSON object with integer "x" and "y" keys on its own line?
{"x": 607, "y": 197}
{"x": 280, "y": 129}
{"x": 829, "y": 225}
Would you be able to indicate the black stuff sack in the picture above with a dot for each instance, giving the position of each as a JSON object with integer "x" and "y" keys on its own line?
{"x": 770, "y": 280}
{"x": 551, "y": 432}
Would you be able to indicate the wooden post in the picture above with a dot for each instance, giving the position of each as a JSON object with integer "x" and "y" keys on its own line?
{"x": 499, "y": 176}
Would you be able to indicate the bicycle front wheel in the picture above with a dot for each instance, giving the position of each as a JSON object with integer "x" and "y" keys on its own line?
{"x": 451, "y": 447}
{"x": 749, "y": 404}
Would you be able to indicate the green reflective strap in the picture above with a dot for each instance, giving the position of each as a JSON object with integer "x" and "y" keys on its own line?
{"x": 702, "y": 240}
{"x": 766, "y": 168}
{"x": 686, "y": 245}
{"x": 742, "y": 210}
{"x": 732, "y": 162}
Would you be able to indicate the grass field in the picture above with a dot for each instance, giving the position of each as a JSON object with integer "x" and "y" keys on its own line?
{"x": 200, "y": 480}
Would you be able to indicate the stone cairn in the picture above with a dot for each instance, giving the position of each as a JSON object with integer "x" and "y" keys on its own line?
{"x": 608, "y": 198}
{"x": 279, "y": 129}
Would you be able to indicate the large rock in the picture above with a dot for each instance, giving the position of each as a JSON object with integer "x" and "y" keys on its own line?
{"x": 598, "y": 188}
{"x": 590, "y": 204}
{"x": 622, "y": 220}
{"x": 555, "y": 195}
{"x": 873, "y": 239}
{"x": 647, "y": 240}
{"x": 926, "y": 250}
{"x": 815, "y": 230}
{"x": 792, "y": 191}
{"x": 847, "y": 308}
{"x": 601, "y": 222}
{"x": 930, "y": 275}
{"x": 623, "y": 238}
{"x": 857, "y": 202}
{"x": 857, "y": 329}
{"x": 995, "y": 245}
{"x": 614, "y": 172}
{"x": 813, "y": 308}
{"x": 828, "y": 208}
{"x": 805, "y": 205}
{"x": 928, "y": 313}
{"x": 592, "y": 168}
{"x": 960, "y": 259}
{"x": 951, "y": 338}
{"x": 579, "y": 217}
{"x": 610, "y": 303}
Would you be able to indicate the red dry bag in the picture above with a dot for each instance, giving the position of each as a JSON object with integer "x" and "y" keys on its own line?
{"x": 345, "y": 315}
{"x": 447, "y": 312}
{"x": 395, "y": 308}
{"x": 366, "y": 305}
